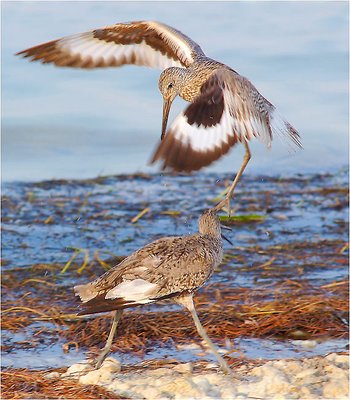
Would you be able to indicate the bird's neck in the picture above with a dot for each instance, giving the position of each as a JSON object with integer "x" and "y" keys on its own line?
{"x": 193, "y": 77}
{"x": 213, "y": 233}
{"x": 191, "y": 82}
{"x": 213, "y": 230}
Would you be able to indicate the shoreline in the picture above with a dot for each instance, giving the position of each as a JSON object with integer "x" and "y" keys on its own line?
{"x": 320, "y": 377}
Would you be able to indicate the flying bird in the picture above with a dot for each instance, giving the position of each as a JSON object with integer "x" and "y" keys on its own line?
{"x": 225, "y": 108}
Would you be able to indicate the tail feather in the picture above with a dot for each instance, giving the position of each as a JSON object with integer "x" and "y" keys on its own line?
{"x": 99, "y": 304}
{"x": 284, "y": 129}
{"x": 85, "y": 292}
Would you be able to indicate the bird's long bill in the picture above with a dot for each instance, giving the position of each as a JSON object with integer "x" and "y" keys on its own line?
{"x": 166, "y": 109}
{"x": 223, "y": 236}
{"x": 227, "y": 240}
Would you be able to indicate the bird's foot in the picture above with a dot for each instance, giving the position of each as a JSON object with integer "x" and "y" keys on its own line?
{"x": 225, "y": 205}
{"x": 100, "y": 359}
{"x": 228, "y": 371}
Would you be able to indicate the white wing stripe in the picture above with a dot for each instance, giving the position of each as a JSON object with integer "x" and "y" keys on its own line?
{"x": 204, "y": 139}
{"x": 108, "y": 55}
{"x": 171, "y": 39}
{"x": 147, "y": 43}
{"x": 101, "y": 51}
{"x": 86, "y": 46}
{"x": 136, "y": 290}
{"x": 77, "y": 47}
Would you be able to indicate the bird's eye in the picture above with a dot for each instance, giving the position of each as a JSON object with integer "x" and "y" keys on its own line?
{"x": 170, "y": 85}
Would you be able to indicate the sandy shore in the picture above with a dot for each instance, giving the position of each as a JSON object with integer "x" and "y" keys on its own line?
{"x": 311, "y": 378}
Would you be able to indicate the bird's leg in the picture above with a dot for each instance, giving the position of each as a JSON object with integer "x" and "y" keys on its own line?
{"x": 187, "y": 302}
{"x": 226, "y": 200}
{"x": 105, "y": 351}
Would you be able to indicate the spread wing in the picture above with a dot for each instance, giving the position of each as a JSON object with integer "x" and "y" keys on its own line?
{"x": 144, "y": 43}
{"x": 228, "y": 110}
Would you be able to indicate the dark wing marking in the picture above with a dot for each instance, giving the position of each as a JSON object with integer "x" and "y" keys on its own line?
{"x": 228, "y": 110}
{"x": 144, "y": 43}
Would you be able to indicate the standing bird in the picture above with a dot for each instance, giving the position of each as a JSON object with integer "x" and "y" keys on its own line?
{"x": 170, "y": 267}
{"x": 225, "y": 108}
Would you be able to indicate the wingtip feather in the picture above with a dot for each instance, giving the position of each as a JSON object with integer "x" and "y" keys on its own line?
{"x": 284, "y": 129}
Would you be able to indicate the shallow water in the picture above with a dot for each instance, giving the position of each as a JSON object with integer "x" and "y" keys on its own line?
{"x": 304, "y": 229}
{"x": 52, "y": 356}
{"x": 96, "y": 216}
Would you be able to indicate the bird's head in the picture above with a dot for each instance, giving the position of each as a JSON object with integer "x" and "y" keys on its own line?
{"x": 169, "y": 85}
{"x": 209, "y": 224}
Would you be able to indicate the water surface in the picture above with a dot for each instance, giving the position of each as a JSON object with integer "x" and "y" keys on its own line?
{"x": 302, "y": 236}
{"x": 66, "y": 123}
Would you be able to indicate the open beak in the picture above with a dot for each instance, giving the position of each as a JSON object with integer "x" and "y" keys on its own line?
{"x": 166, "y": 109}
{"x": 227, "y": 240}
{"x": 223, "y": 236}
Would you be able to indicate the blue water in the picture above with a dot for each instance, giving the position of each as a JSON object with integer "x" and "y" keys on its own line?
{"x": 52, "y": 356}
{"x": 66, "y": 123}
{"x": 97, "y": 217}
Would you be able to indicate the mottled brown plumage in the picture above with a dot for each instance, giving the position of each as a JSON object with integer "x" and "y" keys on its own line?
{"x": 174, "y": 265}
{"x": 171, "y": 267}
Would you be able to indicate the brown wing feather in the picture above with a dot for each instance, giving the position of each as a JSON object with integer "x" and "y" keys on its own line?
{"x": 99, "y": 304}
{"x": 141, "y": 43}
{"x": 229, "y": 109}
{"x": 174, "y": 264}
